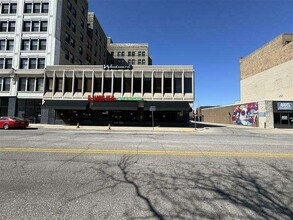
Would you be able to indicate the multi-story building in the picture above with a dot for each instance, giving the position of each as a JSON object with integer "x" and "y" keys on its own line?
{"x": 131, "y": 54}
{"x": 36, "y": 34}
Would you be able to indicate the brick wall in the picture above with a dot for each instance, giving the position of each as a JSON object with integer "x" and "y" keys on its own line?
{"x": 276, "y": 52}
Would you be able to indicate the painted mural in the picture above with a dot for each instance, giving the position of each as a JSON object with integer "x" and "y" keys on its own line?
{"x": 245, "y": 114}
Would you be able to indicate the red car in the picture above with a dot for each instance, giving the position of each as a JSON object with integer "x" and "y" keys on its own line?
{"x": 7, "y": 122}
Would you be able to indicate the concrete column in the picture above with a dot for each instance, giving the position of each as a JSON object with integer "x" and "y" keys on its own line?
{"x": 12, "y": 106}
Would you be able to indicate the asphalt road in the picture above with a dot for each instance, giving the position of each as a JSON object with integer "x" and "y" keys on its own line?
{"x": 215, "y": 173}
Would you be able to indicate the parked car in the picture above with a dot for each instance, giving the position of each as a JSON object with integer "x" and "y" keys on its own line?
{"x": 7, "y": 122}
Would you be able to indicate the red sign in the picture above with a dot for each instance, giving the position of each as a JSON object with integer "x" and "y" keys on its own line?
{"x": 101, "y": 98}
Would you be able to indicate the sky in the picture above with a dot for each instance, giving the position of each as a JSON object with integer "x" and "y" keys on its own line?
{"x": 211, "y": 35}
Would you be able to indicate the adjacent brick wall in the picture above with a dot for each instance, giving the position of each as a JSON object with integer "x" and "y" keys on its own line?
{"x": 276, "y": 52}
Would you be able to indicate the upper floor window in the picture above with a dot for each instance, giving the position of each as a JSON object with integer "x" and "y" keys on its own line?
{"x": 143, "y": 61}
{"x": 44, "y": 25}
{"x": 28, "y": 7}
{"x": 6, "y": 45}
{"x": 11, "y": 27}
{"x": 143, "y": 53}
{"x": 10, "y": 44}
{"x": 139, "y": 53}
{"x": 45, "y": 7}
{"x": 133, "y": 53}
{"x": 74, "y": 12}
{"x": 5, "y": 9}
{"x": 13, "y": 8}
{"x": 69, "y": 5}
{"x": 3, "y": 26}
{"x": 37, "y": 8}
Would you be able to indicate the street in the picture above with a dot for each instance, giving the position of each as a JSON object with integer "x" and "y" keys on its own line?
{"x": 213, "y": 173}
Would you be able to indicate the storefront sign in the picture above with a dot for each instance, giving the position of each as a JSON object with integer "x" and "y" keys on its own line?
{"x": 101, "y": 98}
{"x": 285, "y": 105}
{"x": 117, "y": 67}
{"x": 129, "y": 99}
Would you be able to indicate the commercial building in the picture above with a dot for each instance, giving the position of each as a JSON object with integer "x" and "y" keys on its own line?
{"x": 38, "y": 38}
{"x": 100, "y": 95}
{"x": 266, "y": 89}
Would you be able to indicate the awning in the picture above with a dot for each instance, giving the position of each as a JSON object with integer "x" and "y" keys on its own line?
{"x": 66, "y": 104}
{"x": 168, "y": 106}
{"x": 126, "y": 106}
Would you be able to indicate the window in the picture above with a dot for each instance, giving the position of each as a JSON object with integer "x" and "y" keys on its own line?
{"x": 98, "y": 85}
{"x": 42, "y": 44}
{"x": 45, "y": 7}
{"x": 139, "y": 53}
{"x": 74, "y": 12}
{"x": 33, "y": 63}
{"x": 143, "y": 61}
{"x": 41, "y": 63}
{"x": 133, "y": 53}
{"x": 133, "y": 62}
{"x": 137, "y": 85}
{"x": 143, "y": 53}
{"x": 35, "y": 26}
{"x": 23, "y": 63}
{"x": 34, "y": 44}
{"x": 118, "y": 54}
{"x": 6, "y": 86}
{"x": 11, "y": 27}
{"x": 13, "y": 8}
{"x": 187, "y": 85}
{"x": 147, "y": 85}
{"x": 68, "y": 21}
{"x": 73, "y": 27}
{"x": 139, "y": 62}
{"x": 31, "y": 84}
{"x": 87, "y": 84}
{"x": 129, "y": 62}
{"x": 117, "y": 84}
{"x": 25, "y": 45}
{"x": 167, "y": 85}
{"x": 82, "y": 23}
{"x": 49, "y": 84}
{"x": 44, "y": 25}
{"x": 157, "y": 85}
{"x": 28, "y": 8}
{"x": 72, "y": 42}
{"x": 10, "y": 44}
{"x": 78, "y": 85}
{"x": 81, "y": 37}
{"x": 8, "y": 63}
{"x": 66, "y": 54}
{"x": 37, "y": 8}
{"x": 5, "y": 9}
{"x": 67, "y": 37}
{"x": 71, "y": 58}
{"x": 107, "y": 84}
{"x": 68, "y": 84}
{"x": 129, "y": 53}
{"x": 58, "y": 85}
{"x": 122, "y": 53}
{"x": 80, "y": 50}
{"x": 127, "y": 85}
{"x": 178, "y": 85}
{"x": 82, "y": 10}
{"x": 26, "y": 26}
{"x": 40, "y": 84}
{"x": 69, "y": 5}
{"x": 22, "y": 84}
{"x": 2, "y": 44}
{"x": 3, "y": 26}
{"x": 1, "y": 63}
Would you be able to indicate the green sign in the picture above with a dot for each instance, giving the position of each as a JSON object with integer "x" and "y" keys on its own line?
{"x": 129, "y": 99}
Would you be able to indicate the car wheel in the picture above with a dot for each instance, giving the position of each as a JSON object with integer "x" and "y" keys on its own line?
{"x": 6, "y": 126}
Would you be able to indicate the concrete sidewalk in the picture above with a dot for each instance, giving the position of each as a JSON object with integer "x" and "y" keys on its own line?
{"x": 114, "y": 128}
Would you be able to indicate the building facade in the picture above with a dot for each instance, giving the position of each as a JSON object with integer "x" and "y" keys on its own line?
{"x": 101, "y": 96}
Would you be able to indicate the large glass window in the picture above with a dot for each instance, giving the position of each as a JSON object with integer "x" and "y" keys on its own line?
{"x": 88, "y": 85}
{"x": 22, "y": 84}
{"x": 68, "y": 84}
{"x": 58, "y": 85}
{"x": 49, "y": 84}
{"x": 78, "y": 85}
{"x": 107, "y": 84}
{"x": 98, "y": 85}
{"x": 187, "y": 85}
{"x": 31, "y": 84}
{"x": 137, "y": 85}
{"x": 127, "y": 85}
{"x": 178, "y": 85}
{"x": 158, "y": 85}
{"x": 147, "y": 85}
{"x": 117, "y": 84}
{"x": 167, "y": 85}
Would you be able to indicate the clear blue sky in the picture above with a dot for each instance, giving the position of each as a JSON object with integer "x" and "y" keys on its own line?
{"x": 211, "y": 35}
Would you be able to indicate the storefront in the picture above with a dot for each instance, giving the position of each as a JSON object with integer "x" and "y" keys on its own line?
{"x": 283, "y": 114}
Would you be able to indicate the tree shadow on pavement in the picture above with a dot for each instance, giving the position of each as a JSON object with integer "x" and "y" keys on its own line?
{"x": 194, "y": 191}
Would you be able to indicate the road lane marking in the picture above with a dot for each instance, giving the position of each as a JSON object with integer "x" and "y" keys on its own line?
{"x": 145, "y": 152}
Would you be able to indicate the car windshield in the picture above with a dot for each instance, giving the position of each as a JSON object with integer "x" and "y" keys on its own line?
{"x": 15, "y": 118}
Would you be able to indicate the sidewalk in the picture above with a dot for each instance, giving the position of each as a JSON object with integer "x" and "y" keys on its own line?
{"x": 114, "y": 128}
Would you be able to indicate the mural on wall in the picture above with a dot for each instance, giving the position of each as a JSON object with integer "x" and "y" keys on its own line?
{"x": 245, "y": 114}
